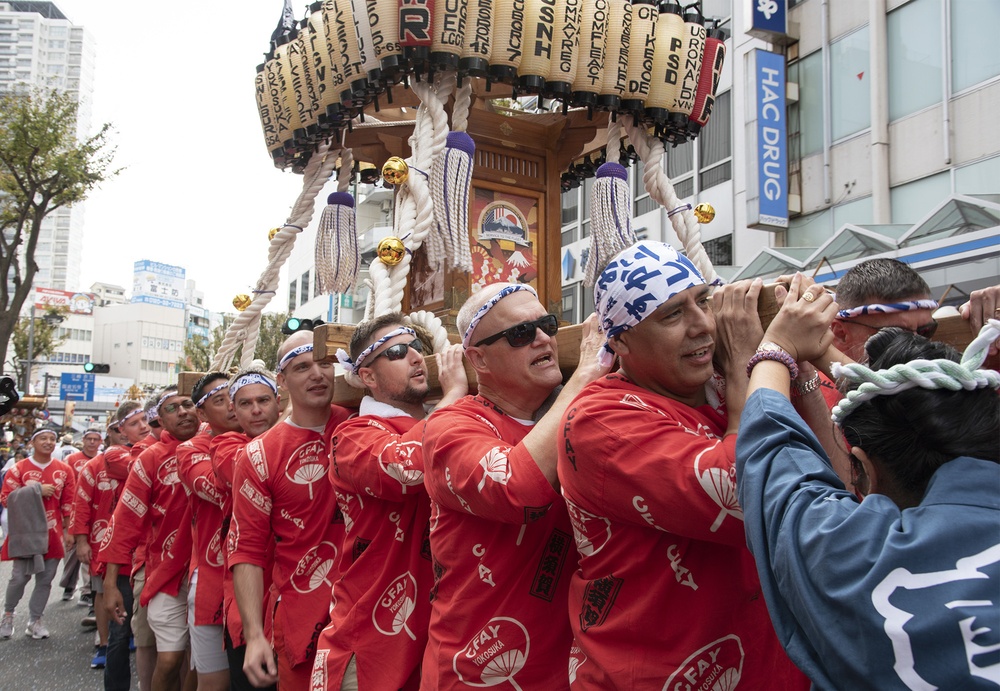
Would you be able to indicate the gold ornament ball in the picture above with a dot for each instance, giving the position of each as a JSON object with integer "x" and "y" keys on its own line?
{"x": 271, "y": 233}
{"x": 242, "y": 301}
{"x": 705, "y": 213}
{"x": 395, "y": 171}
{"x": 391, "y": 251}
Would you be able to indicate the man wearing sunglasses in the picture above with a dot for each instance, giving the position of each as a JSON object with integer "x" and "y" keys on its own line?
{"x": 285, "y": 518}
{"x": 666, "y": 594}
{"x": 500, "y": 536}
{"x": 154, "y": 508}
{"x": 377, "y": 471}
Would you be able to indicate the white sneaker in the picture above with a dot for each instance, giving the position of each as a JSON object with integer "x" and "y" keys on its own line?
{"x": 7, "y": 625}
{"x": 36, "y": 629}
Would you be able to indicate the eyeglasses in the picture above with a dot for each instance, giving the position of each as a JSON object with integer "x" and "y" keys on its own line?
{"x": 523, "y": 334}
{"x": 399, "y": 351}
{"x": 926, "y": 330}
{"x": 171, "y": 408}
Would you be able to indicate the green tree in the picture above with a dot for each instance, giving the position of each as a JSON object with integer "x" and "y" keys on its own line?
{"x": 43, "y": 167}
{"x": 199, "y": 353}
{"x": 45, "y": 341}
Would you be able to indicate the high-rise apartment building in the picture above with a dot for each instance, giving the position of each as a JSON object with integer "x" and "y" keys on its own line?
{"x": 40, "y": 47}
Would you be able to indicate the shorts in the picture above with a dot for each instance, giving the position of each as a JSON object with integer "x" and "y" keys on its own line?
{"x": 208, "y": 652}
{"x": 143, "y": 635}
{"x": 97, "y": 585}
{"x": 168, "y": 619}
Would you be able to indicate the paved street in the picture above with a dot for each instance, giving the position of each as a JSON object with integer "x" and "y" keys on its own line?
{"x": 58, "y": 663}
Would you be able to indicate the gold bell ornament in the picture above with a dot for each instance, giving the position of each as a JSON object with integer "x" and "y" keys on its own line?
{"x": 242, "y": 301}
{"x": 271, "y": 233}
{"x": 704, "y": 212}
{"x": 391, "y": 251}
{"x": 395, "y": 171}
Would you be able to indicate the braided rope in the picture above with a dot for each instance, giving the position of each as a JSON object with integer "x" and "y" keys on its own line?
{"x": 463, "y": 105}
{"x": 246, "y": 327}
{"x": 686, "y": 226}
{"x": 925, "y": 374}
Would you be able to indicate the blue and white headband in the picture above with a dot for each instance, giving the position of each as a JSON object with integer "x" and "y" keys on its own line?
{"x": 354, "y": 365}
{"x": 291, "y": 355}
{"x": 484, "y": 310}
{"x": 251, "y": 378}
{"x": 155, "y": 410}
{"x": 635, "y": 283}
{"x": 128, "y": 416}
{"x": 888, "y": 308}
{"x": 43, "y": 431}
{"x": 201, "y": 401}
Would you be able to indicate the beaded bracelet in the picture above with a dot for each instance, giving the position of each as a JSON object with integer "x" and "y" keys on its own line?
{"x": 806, "y": 387}
{"x": 776, "y": 355}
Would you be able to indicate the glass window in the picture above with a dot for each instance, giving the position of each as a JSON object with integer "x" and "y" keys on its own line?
{"x": 291, "y": 297}
{"x": 806, "y": 116}
{"x": 857, "y": 211}
{"x": 914, "y": 200}
{"x": 716, "y": 141}
{"x": 304, "y": 294}
{"x": 570, "y": 205}
{"x": 975, "y": 50}
{"x": 978, "y": 178}
{"x": 810, "y": 231}
{"x": 588, "y": 191}
{"x": 680, "y": 159}
{"x": 914, "y": 37}
{"x": 720, "y": 250}
{"x": 849, "y": 84}
{"x": 569, "y": 303}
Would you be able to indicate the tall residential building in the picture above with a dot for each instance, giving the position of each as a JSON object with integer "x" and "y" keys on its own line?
{"x": 40, "y": 47}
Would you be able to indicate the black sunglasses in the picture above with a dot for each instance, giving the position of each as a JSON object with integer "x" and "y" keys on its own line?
{"x": 523, "y": 334}
{"x": 398, "y": 351}
{"x": 926, "y": 330}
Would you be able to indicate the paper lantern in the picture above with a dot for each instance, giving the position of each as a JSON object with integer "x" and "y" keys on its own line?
{"x": 478, "y": 48}
{"x": 390, "y": 251}
{"x": 326, "y": 70}
{"x": 304, "y": 82}
{"x": 416, "y": 22}
{"x": 693, "y": 49}
{"x": 666, "y": 83}
{"x": 289, "y": 106}
{"x": 353, "y": 90}
{"x": 539, "y": 18}
{"x": 590, "y": 61}
{"x": 508, "y": 41}
{"x": 370, "y": 66}
{"x": 383, "y": 18}
{"x": 642, "y": 44}
{"x": 270, "y": 122}
{"x": 565, "y": 36}
{"x": 708, "y": 80}
{"x": 615, "y": 55}
{"x": 448, "y": 38}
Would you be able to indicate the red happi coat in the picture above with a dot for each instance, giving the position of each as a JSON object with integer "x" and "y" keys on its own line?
{"x": 285, "y": 509}
{"x": 194, "y": 465}
{"x": 666, "y": 594}
{"x": 501, "y": 540}
{"x": 58, "y": 507}
{"x": 153, "y": 508}
{"x": 94, "y": 503}
{"x": 381, "y": 605}
{"x": 76, "y": 461}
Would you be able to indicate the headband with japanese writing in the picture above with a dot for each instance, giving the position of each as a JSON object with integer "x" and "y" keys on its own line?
{"x": 291, "y": 355}
{"x": 201, "y": 401}
{"x": 252, "y": 378}
{"x": 131, "y": 414}
{"x": 887, "y": 308}
{"x": 482, "y": 312}
{"x": 637, "y": 281}
{"x": 354, "y": 365}
{"x": 43, "y": 431}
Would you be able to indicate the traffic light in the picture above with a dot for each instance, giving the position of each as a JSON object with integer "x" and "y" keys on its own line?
{"x": 96, "y": 368}
{"x": 293, "y": 324}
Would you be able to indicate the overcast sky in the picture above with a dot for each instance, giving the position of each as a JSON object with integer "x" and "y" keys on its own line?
{"x": 198, "y": 190}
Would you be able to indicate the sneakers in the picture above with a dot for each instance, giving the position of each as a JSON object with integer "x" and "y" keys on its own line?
{"x": 36, "y": 629}
{"x": 86, "y": 600}
{"x": 68, "y": 594}
{"x": 7, "y": 625}
{"x": 89, "y": 620}
{"x": 100, "y": 658}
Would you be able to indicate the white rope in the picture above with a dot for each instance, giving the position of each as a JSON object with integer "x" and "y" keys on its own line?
{"x": 463, "y": 104}
{"x": 686, "y": 226}
{"x": 433, "y": 326}
{"x": 246, "y": 328}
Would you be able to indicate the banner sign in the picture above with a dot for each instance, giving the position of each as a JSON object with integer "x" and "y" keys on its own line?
{"x": 154, "y": 283}
{"x": 768, "y": 19}
{"x": 772, "y": 140}
{"x": 75, "y": 303}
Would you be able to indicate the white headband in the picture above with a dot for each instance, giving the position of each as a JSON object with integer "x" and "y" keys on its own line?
{"x": 482, "y": 312}
{"x": 354, "y": 365}
{"x": 201, "y": 401}
{"x": 291, "y": 355}
{"x": 129, "y": 415}
{"x": 251, "y": 378}
{"x": 43, "y": 431}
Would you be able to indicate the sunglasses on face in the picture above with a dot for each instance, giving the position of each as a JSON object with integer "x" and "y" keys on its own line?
{"x": 399, "y": 351}
{"x": 523, "y": 334}
{"x": 926, "y": 330}
{"x": 171, "y": 408}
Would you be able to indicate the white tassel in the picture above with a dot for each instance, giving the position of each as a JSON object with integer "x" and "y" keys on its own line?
{"x": 611, "y": 219}
{"x": 338, "y": 258}
{"x": 450, "y": 182}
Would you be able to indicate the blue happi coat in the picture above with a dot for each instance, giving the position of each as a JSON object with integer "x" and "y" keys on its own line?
{"x": 864, "y": 595}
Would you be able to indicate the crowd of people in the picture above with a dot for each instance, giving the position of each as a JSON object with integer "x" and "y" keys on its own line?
{"x": 680, "y": 513}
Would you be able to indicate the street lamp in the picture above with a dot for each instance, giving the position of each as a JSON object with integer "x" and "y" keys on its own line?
{"x": 51, "y": 319}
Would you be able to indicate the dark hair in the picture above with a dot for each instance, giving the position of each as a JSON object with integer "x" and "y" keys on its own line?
{"x": 913, "y": 433}
{"x": 364, "y": 334}
{"x": 202, "y": 385}
{"x": 126, "y": 408}
{"x": 880, "y": 280}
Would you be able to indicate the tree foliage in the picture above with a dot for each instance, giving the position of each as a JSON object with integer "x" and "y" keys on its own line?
{"x": 199, "y": 353}
{"x": 45, "y": 340}
{"x": 43, "y": 167}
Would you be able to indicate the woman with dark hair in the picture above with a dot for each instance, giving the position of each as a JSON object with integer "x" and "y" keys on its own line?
{"x": 901, "y": 589}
